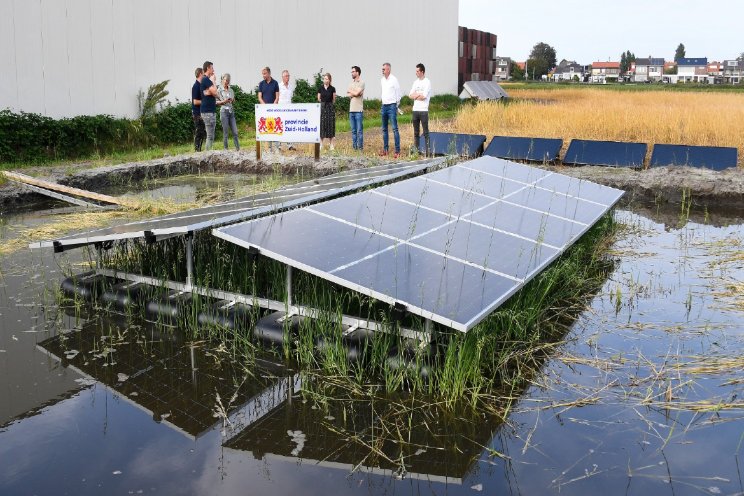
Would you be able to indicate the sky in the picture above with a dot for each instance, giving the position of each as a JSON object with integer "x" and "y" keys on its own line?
{"x": 600, "y": 30}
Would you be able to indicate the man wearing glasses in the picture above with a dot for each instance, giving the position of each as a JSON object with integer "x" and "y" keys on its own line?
{"x": 356, "y": 107}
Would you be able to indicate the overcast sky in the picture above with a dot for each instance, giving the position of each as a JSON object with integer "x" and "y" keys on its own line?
{"x": 600, "y": 30}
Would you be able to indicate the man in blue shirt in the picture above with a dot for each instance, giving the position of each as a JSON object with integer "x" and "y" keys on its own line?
{"x": 268, "y": 92}
{"x": 209, "y": 102}
{"x": 196, "y": 97}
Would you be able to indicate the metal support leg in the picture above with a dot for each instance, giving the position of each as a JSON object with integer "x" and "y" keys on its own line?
{"x": 189, "y": 261}
{"x": 289, "y": 288}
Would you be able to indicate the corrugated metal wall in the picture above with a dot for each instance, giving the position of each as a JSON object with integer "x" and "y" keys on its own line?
{"x": 81, "y": 57}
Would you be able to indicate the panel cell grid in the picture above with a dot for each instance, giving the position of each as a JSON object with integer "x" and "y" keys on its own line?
{"x": 451, "y": 245}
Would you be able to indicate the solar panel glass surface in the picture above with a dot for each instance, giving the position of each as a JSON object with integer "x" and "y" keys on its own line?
{"x": 451, "y": 245}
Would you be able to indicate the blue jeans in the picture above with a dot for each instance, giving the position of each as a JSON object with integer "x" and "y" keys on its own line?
{"x": 357, "y": 130}
{"x": 227, "y": 117}
{"x": 390, "y": 113}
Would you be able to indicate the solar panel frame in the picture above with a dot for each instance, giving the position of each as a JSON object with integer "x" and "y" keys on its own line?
{"x": 387, "y": 246}
{"x": 711, "y": 157}
{"x": 242, "y": 208}
{"x": 621, "y": 154}
{"x": 523, "y": 148}
{"x": 468, "y": 145}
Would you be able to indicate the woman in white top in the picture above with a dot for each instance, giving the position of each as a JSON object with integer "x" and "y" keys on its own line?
{"x": 225, "y": 98}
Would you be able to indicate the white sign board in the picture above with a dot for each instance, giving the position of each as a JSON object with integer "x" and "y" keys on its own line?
{"x": 289, "y": 122}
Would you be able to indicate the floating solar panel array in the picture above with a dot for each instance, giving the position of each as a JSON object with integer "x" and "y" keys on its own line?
{"x": 451, "y": 245}
{"x": 711, "y": 157}
{"x": 466, "y": 145}
{"x": 242, "y": 208}
{"x": 609, "y": 153}
{"x": 532, "y": 149}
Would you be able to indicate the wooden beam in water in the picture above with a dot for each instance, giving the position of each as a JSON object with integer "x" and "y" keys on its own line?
{"x": 40, "y": 183}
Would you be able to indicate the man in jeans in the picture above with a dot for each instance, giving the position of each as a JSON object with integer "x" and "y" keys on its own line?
{"x": 356, "y": 106}
{"x": 196, "y": 97}
{"x": 209, "y": 102}
{"x": 390, "y": 102}
{"x": 268, "y": 93}
{"x": 420, "y": 92}
{"x": 286, "y": 91}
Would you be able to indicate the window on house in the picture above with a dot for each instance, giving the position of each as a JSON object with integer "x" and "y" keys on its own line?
{"x": 493, "y": 53}
{"x": 474, "y": 52}
{"x": 462, "y": 47}
{"x": 490, "y": 66}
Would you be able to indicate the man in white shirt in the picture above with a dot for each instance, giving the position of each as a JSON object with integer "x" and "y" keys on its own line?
{"x": 390, "y": 101}
{"x": 286, "y": 91}
{"x": 420, "y": 94}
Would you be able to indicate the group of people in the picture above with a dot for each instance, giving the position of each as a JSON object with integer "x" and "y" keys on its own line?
{"x": 206, "y": 95}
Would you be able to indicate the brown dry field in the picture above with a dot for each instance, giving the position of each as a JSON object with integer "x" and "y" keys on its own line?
{"x": 670, "y": 117}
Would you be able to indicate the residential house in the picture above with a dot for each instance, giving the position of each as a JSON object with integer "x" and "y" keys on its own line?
{"x": 647, "y": 70}
{"x": 568, "y": 70}
{"x": 604, "y": 72}
{"x": 503, "y": 69}
{"x": 692, "y": 70}
{"x": 476, "y": 56}
{"x": 733, "y": 71}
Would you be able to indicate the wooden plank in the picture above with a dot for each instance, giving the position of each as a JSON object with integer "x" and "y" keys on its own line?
{"x": 23, "y": 178}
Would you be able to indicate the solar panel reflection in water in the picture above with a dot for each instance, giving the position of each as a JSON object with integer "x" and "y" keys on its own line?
{"x": 711, "y": 157}
{"x": 451, "y": 245}
{"x": 516, "y": 148}
{"x": 609, "y": 153}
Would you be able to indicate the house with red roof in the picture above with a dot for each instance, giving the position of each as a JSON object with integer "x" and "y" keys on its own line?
{"x": 605, "y": 72}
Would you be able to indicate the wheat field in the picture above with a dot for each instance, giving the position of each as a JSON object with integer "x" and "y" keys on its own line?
{"x": 684, "y": 118}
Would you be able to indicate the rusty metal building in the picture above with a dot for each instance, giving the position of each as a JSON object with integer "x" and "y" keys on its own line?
{"x": 476, "y": 56}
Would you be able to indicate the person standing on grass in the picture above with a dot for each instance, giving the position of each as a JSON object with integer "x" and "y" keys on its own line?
{"x": 327, "y": 99}
{"x": 356, "y": 108}
{"x": 226, "y": 97}
{"x": 209, "y": 102}
{"x": 390, "y": 102}
{"x": 268, "y": 93}
{"x": 420, "y": 94}
{"x": 286, "y": 91}
{"x": 196, "y": 98}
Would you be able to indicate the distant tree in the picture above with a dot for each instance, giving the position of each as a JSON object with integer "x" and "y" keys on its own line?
{"x": 545, "y": 53}
{"x": 517, "y": 74}
{"x": 536, "y": 68}
{"x": 155, "y": 97}
{"x": 626, "y": 60}
{"x": 680, "y": 53}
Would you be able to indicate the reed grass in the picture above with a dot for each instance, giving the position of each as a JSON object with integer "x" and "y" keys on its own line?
{"x": 503, "y": 351}
{"x": 654, "y": 117}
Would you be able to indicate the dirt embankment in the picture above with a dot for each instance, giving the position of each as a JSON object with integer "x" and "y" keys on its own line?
{"x": 666, "y": 184}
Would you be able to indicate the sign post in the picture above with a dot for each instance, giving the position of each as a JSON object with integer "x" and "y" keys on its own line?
{"x": 288, "y": 123}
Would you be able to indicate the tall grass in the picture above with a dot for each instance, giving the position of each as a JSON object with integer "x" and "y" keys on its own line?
{"x": 670, "y": 117}
{"x": 501, "y": 352}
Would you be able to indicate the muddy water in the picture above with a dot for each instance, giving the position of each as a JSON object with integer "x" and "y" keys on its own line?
{"x": 644, "y": 397}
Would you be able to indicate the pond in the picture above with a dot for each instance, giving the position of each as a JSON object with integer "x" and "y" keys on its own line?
{"x": 643, "y": 395}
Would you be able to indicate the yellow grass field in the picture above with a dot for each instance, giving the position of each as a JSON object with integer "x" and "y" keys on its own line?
{"x": 671, "y": 117}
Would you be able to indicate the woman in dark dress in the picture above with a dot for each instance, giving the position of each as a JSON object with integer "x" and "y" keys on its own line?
{"x": 327, "y": 99}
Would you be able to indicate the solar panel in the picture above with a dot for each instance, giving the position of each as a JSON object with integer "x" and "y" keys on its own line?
{"x": 467, "y": 145}
{"x": 610, "y": 153}
{"x": 450, "y": 245}
{"x": 711, "y": 157}
{"x": 532, "y": 149}
{"x": 483, "y": 90}
{"x": 242, "y": 208}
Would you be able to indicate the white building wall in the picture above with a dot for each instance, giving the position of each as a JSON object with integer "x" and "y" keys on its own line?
{"x": 84, "y": 57}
